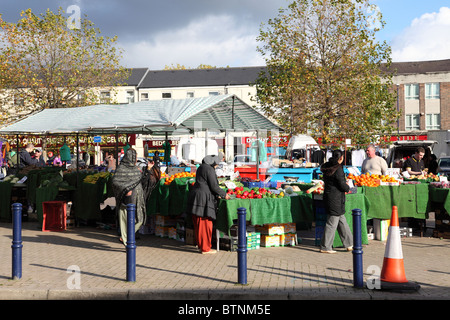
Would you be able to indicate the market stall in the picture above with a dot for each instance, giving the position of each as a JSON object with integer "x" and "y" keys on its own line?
{"x": 159, "y": 117}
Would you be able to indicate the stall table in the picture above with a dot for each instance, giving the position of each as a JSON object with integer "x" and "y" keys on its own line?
{"x": 303, "y": 174}
{"x": 412, "y": 200}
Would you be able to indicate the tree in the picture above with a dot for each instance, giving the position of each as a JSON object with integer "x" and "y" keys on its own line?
{"x": 46, "y": 64}
{"x": 326, "y": 74}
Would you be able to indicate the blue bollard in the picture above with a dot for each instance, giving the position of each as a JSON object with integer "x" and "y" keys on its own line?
{"x": 131, "y": 243}
{"x": 242, "y": 246}
{"x": 17, "y": 241}
{"x": 357, "y": 250}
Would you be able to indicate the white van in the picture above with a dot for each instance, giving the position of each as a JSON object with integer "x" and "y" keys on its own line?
{"x": 400, "y": 150}
{"x": 299, "y": 145}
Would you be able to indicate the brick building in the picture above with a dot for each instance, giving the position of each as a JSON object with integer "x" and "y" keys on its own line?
{"x": 423, "y": 96}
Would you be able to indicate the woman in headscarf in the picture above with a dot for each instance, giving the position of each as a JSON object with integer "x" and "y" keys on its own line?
{"x": 334, "y": 201}
{"x": 131, "y": 185}
{"x": 202, "y": 202}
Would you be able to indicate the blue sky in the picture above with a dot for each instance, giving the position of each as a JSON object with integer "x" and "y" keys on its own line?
{"x": 416, "y": 29}
{"x": 156, "y": 33}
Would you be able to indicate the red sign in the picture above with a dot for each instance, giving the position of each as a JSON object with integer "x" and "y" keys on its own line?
{"x": 159, "y": 143}
{"x": 281, "y": 141}
{"x": 409, "y": 137}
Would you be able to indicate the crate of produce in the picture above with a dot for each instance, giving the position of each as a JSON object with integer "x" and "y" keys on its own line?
{"x": 271, "y": 229}
{"x": 288, "y": 239}
{"x": 270, "y": 240}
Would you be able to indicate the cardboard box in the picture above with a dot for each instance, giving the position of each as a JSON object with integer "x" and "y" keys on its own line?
{"x": 271, "y": 229}
{"x": 172, "y": 233}
{"x": 165, "y": 221}
{"x": 190, "y": 239}
{"x": 161, "y": 231}
{"x": 270, "y": 240}
{"x": 288, "y": 239}
{"x": 381, "y": 229}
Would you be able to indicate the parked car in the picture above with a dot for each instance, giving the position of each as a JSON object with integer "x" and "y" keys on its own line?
{"x": 444, "y": 165}
{"x": 242, "y": 160}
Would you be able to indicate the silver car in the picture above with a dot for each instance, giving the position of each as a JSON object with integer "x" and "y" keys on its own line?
{"x": 444, "y": 165}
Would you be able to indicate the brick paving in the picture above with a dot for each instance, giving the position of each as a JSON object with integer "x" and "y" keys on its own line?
{"x": 169, "y": 269}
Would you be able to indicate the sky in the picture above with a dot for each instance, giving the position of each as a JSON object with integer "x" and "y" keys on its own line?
{"x": 159, "y": 33}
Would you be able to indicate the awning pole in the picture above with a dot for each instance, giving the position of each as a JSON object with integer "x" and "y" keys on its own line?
{"x": 116, "y": 156}
{"x": 257, "y": 154}
{"x": 18, "y": 156}
{"x": 78, "y": 157}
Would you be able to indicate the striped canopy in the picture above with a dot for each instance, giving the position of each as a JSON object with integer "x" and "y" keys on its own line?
{"x": 222, "y": 112}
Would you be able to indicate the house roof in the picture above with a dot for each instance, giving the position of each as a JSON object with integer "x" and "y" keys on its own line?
{"x": 136, "y": 76}
{"x": 201, "y": 77}
{"x": 421, "y": 67}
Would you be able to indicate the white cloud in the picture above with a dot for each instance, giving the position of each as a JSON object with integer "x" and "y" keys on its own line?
{"x": 218, "y": 40}
{"x": 427, "y": 38}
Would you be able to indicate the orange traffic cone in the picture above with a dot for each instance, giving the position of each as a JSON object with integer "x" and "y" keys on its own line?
{"x": 393, "y": 268}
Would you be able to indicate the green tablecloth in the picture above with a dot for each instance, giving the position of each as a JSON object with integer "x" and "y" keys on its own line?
{"x": 439, "y": 197}
{"x": 355, "y": 201}
{"x": 262, "y": 211}
{"x": 169, "y": 199}
{"x": 88, "y": 197}
{"x": 5, "y": 201}
{"x": 410, "y": 199}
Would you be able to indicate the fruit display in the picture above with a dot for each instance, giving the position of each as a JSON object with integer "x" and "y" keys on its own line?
{"x": 254, "y": 193}
{"x": 428, "y": 176}
{"x": 371, "y": 180}
{"x": 170, "y": 178}
{"x": 316, "y": 189}
{"x": 11, "y": 179}
{"x": 93, "y": 178}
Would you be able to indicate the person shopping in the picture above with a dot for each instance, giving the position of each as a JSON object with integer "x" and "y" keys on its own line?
{"x": 131, "y": 185}
{"x": 334, "y": 201}
{"x": 202, "y": 202}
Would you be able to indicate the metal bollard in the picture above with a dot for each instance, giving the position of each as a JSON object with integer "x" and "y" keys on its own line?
{"x": 357, "y": 250}
{"x": 131, "y": 243}
{"x": 242, "y": 246}
{"x": 17, "y": 241}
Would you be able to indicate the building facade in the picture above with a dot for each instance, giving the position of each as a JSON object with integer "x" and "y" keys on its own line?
{"x": 423, "y": 96}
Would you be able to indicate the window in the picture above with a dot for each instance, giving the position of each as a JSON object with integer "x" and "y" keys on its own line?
{"x": 190, "y": 94}
{"x": 412, "y": 122}
{"x": 432, "y": 90}
{"x": 105, "y": 97}
{"x": 144, "y": 96}
{"x": 167, "y": 95}
{"x": 411, "y": 91}
{"x": 433, "y": 121}
{"x": 130, "y": 96}
{"x": 214, "y": 93}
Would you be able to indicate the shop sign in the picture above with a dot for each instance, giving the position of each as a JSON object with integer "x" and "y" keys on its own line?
{"x": 159, "y": 143}
{"x": 281, "y": 141}
{"x": 58, "y": 141}
{"x": 409, "y": 137}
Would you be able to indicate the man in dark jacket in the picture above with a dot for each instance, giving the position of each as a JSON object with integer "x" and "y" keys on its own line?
{"x": 202, "y": 202}
{"x": 334, "y": 200}
{"x": 25, "y": 156}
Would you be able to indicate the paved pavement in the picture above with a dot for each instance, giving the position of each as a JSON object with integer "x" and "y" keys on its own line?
{"x": 169, "y": 269}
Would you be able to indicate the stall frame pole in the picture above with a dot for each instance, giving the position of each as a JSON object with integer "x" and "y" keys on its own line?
{"x": 242, "y": 246}
{"x": 17, "y": 241}
{"x": 357, "y": 250}
{"x": 131, "y": 243}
